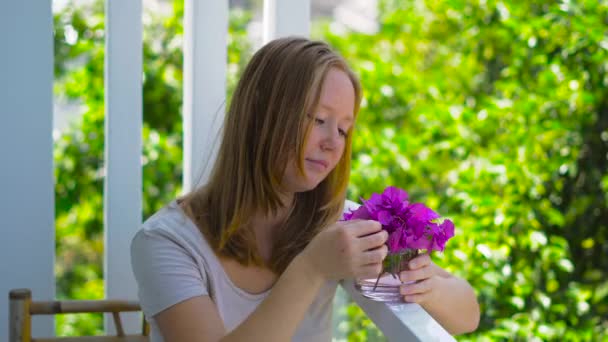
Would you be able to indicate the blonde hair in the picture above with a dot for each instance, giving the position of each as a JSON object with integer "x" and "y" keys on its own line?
{"x": 264, "y": 126}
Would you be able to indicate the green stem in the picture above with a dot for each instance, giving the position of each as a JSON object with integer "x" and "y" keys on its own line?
{"x": 395, "y": 263}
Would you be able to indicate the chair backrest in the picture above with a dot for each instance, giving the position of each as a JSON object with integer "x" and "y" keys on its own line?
{"x": 21, "y": 309}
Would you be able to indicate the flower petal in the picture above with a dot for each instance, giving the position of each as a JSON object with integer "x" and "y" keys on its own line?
{"x": 393, "y": 241}
{"x": 422, "y": 212}
{"x": 385, "y": 217}
{"x": 418, "y": 243}
{"x": 361, "y": 214}
{"x": 395, "y": 196}
{"x": 448, "y": 228}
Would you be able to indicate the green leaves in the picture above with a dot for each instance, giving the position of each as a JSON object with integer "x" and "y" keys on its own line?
{"x": 493, "y": 111}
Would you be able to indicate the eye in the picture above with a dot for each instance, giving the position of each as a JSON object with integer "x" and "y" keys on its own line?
{"x": 317, "y": 120}
{"x": 343, "y": 133}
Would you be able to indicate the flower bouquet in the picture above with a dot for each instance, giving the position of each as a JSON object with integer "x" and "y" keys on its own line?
{"x": 413, "y": 228}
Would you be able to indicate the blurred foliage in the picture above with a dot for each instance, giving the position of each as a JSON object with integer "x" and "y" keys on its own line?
{"x": 494, "y": 113}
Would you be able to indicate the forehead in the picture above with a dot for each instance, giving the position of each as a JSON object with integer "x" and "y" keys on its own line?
{"x": 338, "y": 93}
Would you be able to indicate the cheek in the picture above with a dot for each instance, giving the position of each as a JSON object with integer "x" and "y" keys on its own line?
{"x": 341, "y": 147}
{"x": 290, "y": 177}
{"x": 314, "y": 138}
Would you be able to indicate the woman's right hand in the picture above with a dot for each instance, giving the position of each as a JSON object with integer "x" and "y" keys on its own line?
{"x": 348, "y": 249}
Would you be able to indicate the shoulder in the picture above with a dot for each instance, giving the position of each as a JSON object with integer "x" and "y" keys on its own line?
{"x": 168, "y": 260}
{"x": 169, "y": 219}
{"x": 169, "y": 226}
{"x": 169, "y": 239}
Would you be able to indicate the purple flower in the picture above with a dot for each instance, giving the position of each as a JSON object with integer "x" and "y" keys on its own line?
{"x": 413, "y": 226}
{"x": 359, "y": 214}
{"x": 396, "y": 196}
{"x": 418, "y": 218}
{"x": 395, "y": 240}
{"x": 442, "y": 233}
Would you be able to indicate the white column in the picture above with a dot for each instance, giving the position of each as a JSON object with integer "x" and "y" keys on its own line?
{"x": 286, "y": 18}
{"x": 123, "y": 146}
{"x": 27, "y": 246}
{"x": 205, "y": 59}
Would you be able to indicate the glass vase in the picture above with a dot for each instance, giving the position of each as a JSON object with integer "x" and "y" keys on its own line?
{"x": 385, "y": 288}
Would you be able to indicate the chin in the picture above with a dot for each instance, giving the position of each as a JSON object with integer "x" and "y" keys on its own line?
{"x": 306, "y": 188}
{"x": 309, "y": 185}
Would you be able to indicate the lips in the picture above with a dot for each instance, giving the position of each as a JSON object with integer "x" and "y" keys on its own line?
{"x": 320, "y": 163}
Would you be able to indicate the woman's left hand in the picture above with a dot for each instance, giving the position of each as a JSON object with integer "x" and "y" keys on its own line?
{"x": 426, "y": 280}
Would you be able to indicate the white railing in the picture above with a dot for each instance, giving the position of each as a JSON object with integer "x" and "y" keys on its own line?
{"x": 404, "y": 322}
{"x": 26, "y": 171}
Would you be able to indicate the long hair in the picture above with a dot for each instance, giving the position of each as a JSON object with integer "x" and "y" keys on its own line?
{"x": 264, "y": 128}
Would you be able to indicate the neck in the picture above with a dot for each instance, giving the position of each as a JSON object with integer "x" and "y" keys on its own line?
{"x": 265, "y": 226}
{"x": 265, "y": 222}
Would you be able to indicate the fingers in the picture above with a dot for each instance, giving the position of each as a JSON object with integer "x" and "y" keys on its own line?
{"x": 373, "y": 240}
{"x": 416, "y": 298}
{"x": 363, "y": 246}
{"x": 417, "y": 274}
{"x": 363, "y": 227}
{"x": 420, "y": 261}
{"x": 369, "y": 271}
{"x": 416, "y": 288}
{"x": 374, "y": 256}
{"x": 418, "y": 292}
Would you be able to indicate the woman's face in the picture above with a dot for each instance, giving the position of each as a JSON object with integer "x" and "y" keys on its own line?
{"x": 332, "y": 120}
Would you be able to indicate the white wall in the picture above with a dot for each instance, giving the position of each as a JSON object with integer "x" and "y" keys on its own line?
{"x": 26, "y": 160}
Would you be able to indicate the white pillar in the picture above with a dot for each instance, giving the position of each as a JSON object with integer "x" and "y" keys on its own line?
{"x": 27, "y": 246}
{"x": 123, "y": 146}
{"x": 205, "y": 59}
{"x": 286, "y": 18}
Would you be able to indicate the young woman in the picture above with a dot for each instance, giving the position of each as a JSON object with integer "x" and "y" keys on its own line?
{"x": 256, "y": 252}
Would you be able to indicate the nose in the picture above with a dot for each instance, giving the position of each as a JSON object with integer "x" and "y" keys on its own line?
{"x": 331, "y": 139}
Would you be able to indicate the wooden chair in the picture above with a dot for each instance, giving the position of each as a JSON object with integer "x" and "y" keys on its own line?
{"x": 22, "y": 308}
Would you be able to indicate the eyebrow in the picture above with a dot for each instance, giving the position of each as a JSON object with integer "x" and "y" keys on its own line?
{"x": 329, "y": 107}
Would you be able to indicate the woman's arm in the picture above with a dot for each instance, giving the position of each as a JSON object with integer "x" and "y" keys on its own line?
{"x": 276, "y": 319}
{"x": 449, "y": 299}
{"x": 354, "y": 248}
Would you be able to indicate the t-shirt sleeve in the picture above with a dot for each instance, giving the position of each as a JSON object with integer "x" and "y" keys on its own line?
{"x": 166, "y": 273}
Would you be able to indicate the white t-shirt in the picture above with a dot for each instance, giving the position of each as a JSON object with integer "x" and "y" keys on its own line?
{"x": 172, "y": 262}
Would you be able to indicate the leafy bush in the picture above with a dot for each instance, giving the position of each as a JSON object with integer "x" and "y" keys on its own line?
{"x": 495, "y": 113}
